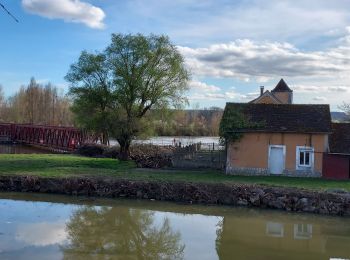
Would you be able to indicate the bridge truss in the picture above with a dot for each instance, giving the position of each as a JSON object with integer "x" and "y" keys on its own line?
{"x": 55, "y": 137}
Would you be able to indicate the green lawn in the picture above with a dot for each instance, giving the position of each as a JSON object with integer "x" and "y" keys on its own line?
{"x": 51, "y": 165}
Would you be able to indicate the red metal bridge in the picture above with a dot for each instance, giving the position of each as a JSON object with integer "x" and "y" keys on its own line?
{"x": 54, "y": 137}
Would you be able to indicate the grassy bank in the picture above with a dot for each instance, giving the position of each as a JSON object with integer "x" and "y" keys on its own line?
{"x": 45, "y": 165}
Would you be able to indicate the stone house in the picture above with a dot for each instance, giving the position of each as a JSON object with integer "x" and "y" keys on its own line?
{"x": 281, "y": 94}
{"x": 286, "y": 139}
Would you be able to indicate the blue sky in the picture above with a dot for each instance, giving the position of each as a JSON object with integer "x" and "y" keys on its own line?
{"x": 231, "y": 47}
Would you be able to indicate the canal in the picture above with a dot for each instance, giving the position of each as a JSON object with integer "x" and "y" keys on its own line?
{"x": 37, "y": 226}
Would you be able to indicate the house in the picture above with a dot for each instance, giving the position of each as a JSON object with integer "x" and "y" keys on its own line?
{"x": 339, "y": 140}
{"x": 281, "y": 94}
{"x": 280, "y": 137}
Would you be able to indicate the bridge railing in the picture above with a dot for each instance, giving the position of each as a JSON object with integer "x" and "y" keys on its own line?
{"x": 57, "y": 137}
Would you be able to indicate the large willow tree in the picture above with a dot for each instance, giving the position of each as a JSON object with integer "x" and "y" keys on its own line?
{"x": 116, "y": 88}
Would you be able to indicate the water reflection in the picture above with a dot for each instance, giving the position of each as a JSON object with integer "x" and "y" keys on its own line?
{"x": 42, "y": 233}
{"x": 302, "y": 231}
{"x": 122, "y": 233}
{"x": 286, "y": 236}
{"x": 60, "y": 227}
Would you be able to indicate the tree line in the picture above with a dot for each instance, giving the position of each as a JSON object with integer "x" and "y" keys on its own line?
{"x": 45, "y": 104}
{"x": 194, "y": 122}
{"x": 40, "y": 104}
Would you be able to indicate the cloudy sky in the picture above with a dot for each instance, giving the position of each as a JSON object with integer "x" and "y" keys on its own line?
{"x": 231, "y": 47}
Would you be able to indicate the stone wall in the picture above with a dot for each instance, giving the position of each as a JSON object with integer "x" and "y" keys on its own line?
{"x": 231, "y": 170}
{"x": 288, "y": 199}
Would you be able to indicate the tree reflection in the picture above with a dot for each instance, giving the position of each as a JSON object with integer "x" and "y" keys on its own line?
{"x": 120, "y": 233}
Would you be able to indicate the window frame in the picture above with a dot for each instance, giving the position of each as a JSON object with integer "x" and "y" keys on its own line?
{"x": 304, "y": 233}
{"x": 304, "y": 149}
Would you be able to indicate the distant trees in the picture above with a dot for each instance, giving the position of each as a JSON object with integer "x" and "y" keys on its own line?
{"x": 346, "y": 108}
{"x": 36, "y": 104}
{"x": 132, "y": 76}
{"x": 201, "y": 122}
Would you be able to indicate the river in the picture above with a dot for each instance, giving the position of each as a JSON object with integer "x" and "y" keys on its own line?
{"x": 37, "y": 226}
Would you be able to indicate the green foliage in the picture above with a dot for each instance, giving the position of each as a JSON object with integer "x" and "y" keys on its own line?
{"x": 92, "y": 92}
{"x": 114, "y": 90}
{"x": 231, "y": 123}
{"x": 135, "y": 234}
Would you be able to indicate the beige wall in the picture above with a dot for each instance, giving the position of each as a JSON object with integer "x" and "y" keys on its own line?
{"x": 266, "y": 100}
{"x": 252, "y": 150}
{"x": 283, "y": 97}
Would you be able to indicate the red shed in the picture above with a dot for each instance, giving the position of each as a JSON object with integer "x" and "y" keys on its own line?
{"x": 336, "y": 164}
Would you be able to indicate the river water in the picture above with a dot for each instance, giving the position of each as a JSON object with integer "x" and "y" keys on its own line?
{"x": 36, "y": 226}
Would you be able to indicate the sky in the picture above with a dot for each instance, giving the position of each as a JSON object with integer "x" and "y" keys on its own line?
{"x": 231, "y": 48}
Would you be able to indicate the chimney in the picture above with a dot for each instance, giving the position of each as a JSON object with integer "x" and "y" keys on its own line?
{"x": 261, "y": 90}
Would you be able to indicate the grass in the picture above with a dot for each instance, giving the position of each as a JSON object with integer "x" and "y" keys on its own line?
{"x": 52, "y": 165}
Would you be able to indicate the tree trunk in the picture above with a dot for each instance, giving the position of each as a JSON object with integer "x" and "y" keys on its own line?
{"x": 124, "y": 149}
{"x": 105, "y": 138}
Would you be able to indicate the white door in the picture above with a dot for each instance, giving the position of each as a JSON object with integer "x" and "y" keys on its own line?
{"x": 276, "y": 159}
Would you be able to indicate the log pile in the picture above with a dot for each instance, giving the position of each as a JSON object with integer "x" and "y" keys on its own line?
{"x": 151, "y": 156}
{"x": 145, "y": 155}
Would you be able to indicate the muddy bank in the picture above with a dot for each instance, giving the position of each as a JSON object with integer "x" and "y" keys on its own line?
{"x": 288, "y": 199}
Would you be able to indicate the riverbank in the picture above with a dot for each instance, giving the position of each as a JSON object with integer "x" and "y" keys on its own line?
{"x": 102, "y": 177}
{"x": 287, "y": 199}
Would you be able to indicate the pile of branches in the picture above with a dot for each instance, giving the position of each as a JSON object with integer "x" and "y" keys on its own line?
{"x": 145, "y": 155}
{"x": 152, "y": 156}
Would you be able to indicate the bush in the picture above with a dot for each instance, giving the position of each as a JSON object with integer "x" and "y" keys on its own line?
{"x": 91, "y": 150}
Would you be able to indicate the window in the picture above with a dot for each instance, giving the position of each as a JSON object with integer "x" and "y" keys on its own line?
{"x": 305, "y": 157}
{"x": 274, "y": 229}
{"x": 302, "y": 231}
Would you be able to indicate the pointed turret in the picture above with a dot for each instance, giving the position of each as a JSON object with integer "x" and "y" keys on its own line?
{"x": 283, "y": 93}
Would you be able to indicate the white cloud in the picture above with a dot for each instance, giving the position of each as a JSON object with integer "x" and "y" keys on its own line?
{"x": 324, "y": 89}
{"x": 250, "y": 96}
{"x": 245, "y": 58}
{"x": 74, "y": 11}
{"x": 319, "y": 99}
{"x": 227, "y": 96}
{"x": 42, "y": 233}
{"x": 325, "y": 71}
{"x": 198, "y": 85}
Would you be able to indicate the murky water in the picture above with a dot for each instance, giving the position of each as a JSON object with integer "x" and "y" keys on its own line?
{"x": 170, "y": 140}
{"x": 34, "y": 226}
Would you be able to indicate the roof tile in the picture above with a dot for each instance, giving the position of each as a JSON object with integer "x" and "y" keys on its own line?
{"x": 285, "y": 117}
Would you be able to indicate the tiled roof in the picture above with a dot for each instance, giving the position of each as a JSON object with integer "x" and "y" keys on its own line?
{"x": 266, "y": 94}
{"x": 281, "y": 87}
{"x": 284, "y": 117}
{"x": 339, "y": 140}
